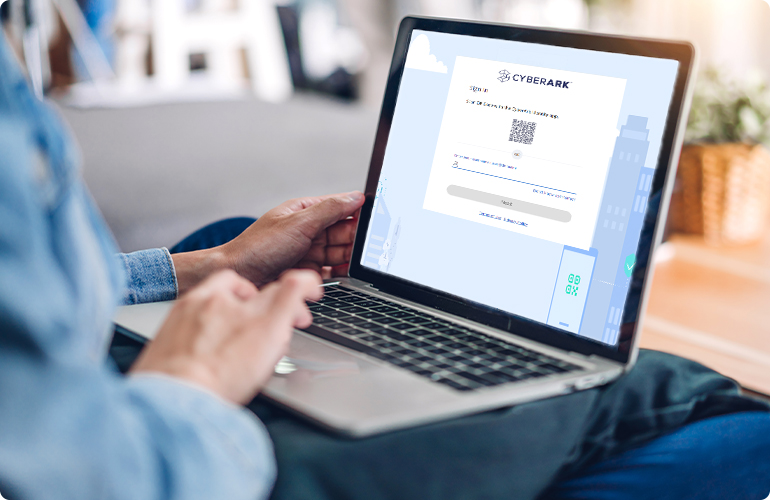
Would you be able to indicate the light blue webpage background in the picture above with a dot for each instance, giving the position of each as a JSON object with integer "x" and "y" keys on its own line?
{"x": 498, "y": 268}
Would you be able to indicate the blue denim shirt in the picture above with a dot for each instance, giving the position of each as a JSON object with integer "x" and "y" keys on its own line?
{"x": 70, "y": 427}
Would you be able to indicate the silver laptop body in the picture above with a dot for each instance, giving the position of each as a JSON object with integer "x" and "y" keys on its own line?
{"x": 359, "y": 395}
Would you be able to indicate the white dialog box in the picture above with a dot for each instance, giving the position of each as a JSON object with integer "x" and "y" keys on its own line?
{"x": 525, "y": 149}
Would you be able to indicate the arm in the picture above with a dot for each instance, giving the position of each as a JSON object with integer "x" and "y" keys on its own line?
{"x": 312, "y": 233}
{"x": 69, "y": 427}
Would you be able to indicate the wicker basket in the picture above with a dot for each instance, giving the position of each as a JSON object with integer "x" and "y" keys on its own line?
{"x": 722, "y": 192}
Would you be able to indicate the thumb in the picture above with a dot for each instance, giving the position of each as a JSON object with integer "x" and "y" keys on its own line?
{"x": 323, "y": 214}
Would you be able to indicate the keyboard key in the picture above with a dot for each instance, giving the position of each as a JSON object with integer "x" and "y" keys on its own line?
{"x": 336, "y": 304}
{"x": 393, "y": 334}
{"x": 385, "y": 320}
{"x": 383, "y": 331}
{"x": 402, "y": 350}
{"x": 402, "y": 326}
{"x": 337, "y": 314}
{"x": 478, "y": 367}
{"x": 385, "y": 343}
{"x": 385, "y": 309}
{"x": 352, "y": 299}
{"x": 363, "y": 323}
{"x": 371, "y": 315}
{"x": 417, "y": 343}
{"x": 420, "y": 320}
{"x": 509, "y": 352}
{"x": 439, "y": 364}
{"x": 319, "y": 308}
{"x": 475, "y": 378}
{"x": 511, "y": 372}
{"x": 420, "y": 358}
{"x": 353, "y": 309}
{"x": 498, "y": 378}
{"x": 498, "y": 363}
{"x": 382, "y": 355}
{"x": 351, "y": 331}
{"x": 438, "y": 350}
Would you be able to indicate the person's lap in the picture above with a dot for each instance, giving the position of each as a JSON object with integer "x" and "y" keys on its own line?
{"x": 670, "y": 428}
{"x": 571, "y": 441}
{"x": 713, "y": 459}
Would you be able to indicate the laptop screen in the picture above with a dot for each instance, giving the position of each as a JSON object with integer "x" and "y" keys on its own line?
{"x": 517, "y": 175}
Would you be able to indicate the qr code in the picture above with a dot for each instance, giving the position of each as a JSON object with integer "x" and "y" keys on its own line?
{"x": 522, "y": 132}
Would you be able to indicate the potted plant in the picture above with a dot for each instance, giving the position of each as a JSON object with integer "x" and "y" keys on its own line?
{"x": 723, "y": 181}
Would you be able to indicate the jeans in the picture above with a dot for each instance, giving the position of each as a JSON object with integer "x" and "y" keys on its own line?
{"x": 718, "y": 457}
{"x": 213, "y": 235}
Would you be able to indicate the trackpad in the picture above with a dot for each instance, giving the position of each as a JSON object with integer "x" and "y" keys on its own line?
{"x": 311, "y": 359}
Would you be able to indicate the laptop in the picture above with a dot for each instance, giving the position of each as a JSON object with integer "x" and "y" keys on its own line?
{"x": 517, "y": 189}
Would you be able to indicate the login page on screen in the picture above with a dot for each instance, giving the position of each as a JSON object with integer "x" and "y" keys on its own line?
{"x": 516, "y": 175}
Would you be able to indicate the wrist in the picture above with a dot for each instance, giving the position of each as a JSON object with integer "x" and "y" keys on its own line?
{"x": 193, "y": 267}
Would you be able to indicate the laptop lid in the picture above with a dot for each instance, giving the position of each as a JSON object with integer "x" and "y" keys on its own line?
{"x": 520, "y": 178}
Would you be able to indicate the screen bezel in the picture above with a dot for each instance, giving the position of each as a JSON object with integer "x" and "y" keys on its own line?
{"x": 682, "y": 52}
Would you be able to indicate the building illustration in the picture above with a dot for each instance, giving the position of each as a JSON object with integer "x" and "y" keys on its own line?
{"x": 621, "y": 214}
{"x": 376, "y": 248}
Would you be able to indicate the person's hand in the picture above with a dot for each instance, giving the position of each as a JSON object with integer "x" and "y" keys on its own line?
{"x": 227, "y": 336}
{"x": 312, "y": 233}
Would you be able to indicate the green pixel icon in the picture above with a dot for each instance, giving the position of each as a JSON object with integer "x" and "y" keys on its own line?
{"x": 572, "y": 288}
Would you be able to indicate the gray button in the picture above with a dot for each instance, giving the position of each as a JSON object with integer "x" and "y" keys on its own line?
{"x": 510, "y": 203}
{"x": 517, "y": 154}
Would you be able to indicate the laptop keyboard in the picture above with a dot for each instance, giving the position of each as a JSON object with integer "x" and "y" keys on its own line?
{"x": 439, "y": 350}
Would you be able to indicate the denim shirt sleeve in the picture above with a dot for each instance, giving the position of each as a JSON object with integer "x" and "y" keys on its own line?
{"x": 70, "y": 427}
{"x": 150, "y": 274}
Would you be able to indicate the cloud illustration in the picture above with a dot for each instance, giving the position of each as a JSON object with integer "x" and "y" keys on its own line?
{"x": 419, "y": 56}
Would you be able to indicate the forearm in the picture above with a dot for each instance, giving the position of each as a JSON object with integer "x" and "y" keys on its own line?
{"x": 193, "y": 267}
{"x": 155, "y": 275}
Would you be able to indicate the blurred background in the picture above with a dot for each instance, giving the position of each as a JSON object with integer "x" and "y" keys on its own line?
{"x": 151, "y": 50}
{"x": 187, "y": 111}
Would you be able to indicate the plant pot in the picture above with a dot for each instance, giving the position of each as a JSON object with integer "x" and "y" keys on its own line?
{"x": 722, "y": 191}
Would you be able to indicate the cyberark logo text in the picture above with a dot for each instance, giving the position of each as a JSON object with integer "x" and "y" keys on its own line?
{"x": 506, "y": 76}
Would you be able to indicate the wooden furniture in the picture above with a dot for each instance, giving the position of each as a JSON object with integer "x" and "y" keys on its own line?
{"x": 712, "y": 305}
